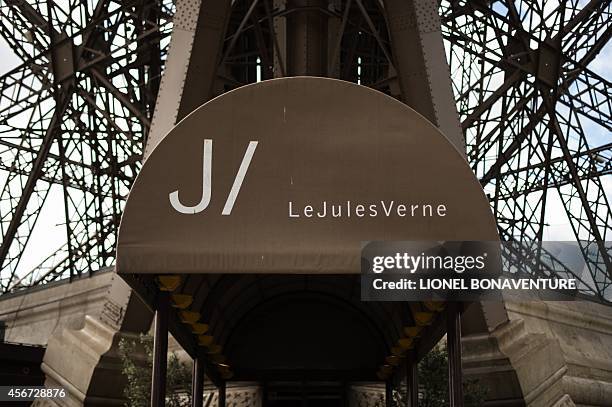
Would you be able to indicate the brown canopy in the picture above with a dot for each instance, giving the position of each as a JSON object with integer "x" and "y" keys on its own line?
{"x": 250, "y": 183}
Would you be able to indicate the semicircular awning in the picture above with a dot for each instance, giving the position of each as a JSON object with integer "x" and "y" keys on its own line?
{"x": 291, "y": 176}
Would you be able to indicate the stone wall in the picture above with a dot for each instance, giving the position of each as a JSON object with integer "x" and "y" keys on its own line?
{"x": 547, "y": 354}
{"x": 33, "y": 317}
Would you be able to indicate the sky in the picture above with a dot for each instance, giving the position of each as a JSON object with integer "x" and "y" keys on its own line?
{"x": 50, "y": 230}
{"x": 8, "y": 59}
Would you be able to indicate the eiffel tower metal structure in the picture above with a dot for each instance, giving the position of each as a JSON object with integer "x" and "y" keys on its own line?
{"x": 75, "y": 115}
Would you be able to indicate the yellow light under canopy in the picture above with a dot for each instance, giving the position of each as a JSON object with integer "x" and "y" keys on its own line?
{"x": 405, "y": 343}
{"x": 435, "y": 306}
{"x": 181, "y": 301}
{"x": 168, "y": 282}
{"x": 189, "y": 317}
{"x": 205, "y": 340}
{"x": 413, "y": 331}
{"x": 423, "y": 318}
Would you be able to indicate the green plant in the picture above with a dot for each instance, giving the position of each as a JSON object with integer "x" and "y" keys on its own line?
{"x": 138, "y": 373}
{"x": 433, "y": 381}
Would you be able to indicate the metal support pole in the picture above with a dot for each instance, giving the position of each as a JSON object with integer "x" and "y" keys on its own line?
{"x": 197, "y": 388}
{"x": 388, "y": 393}
{"x": 344, "y": 396}
{"x": 304, "y": 395}
{"x": 160, "y": 351}
{"x": 264, "y": 394}
{"x": 306, "y": 30}
{"x": 453, "y": 338}
{"x": 412, "y": 381}
{"x": 222, "y": 395}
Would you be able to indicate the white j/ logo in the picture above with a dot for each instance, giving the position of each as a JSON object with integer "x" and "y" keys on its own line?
{"x": 207, "y": 182}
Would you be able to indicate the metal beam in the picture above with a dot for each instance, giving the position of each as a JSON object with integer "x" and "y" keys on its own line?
{"x": 197, "y": 384}
{"x": 160, "y": 351}
{"x": 420, "y": 62}
{"x": 453, "y": 340}
{"x": 193, "y": 57}
{"x": 33, "y": 177}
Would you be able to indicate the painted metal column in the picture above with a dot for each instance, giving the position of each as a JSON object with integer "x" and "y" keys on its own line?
{"x": 344, "y": 396}
{"x": 453, "y": 339}
{"x": 160, "y": 351}
{"x": 412, "y": 381}
{"x": 222, "y": 394}
{"x": 197, "y": 384}
{"x": 306, "y": 36}
{"x": 388, "y": 393}
{"x": 420, "y": 62}
{"x": 264, "y": 393}
{"x": 191, "y": 67}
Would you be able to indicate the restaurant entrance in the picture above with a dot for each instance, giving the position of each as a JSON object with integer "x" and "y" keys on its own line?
{"x": 255, "y": 293}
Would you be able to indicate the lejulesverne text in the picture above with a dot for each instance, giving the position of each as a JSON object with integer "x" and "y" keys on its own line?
{"x": 347, "y": 209}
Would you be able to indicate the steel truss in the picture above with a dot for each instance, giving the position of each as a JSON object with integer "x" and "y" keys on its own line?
{"x": 77, "y": 112}
{"x": 526, "y": 97}
{"x": 74, "y": 114}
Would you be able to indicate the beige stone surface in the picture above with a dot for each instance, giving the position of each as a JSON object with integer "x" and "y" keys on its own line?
{"x": 547, "y": 354}
{"x": 32, "y": 318}
{"x": 82, "y": 347}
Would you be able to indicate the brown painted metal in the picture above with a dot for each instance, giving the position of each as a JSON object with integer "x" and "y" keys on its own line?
{"x": 389, "y": 393}
{"x": 197, "y": 384}
{"x": 412, "y": 381}
{"x": 307, "y": 36}
{"x": 453, "y": 339}
{"x": 418, "y": 49}
{"x": 160, "y": 351}
{"x": 222, "y": 389}
{"x": 191, "y": 69}
{"x": 300, "y": 142}
{"x": 504, "y": 122}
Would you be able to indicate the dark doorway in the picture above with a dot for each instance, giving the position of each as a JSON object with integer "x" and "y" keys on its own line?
{"x": 305, "y": 394}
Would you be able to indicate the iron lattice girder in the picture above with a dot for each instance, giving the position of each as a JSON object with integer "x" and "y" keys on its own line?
{"x": 532, "y": 178}
{"x": 54, "y": 62}
{"x": 506, "y": 127}
{"x": 516, "y": 70}
{"x": 505, "y": 56}
{"x": 590, "y": 97}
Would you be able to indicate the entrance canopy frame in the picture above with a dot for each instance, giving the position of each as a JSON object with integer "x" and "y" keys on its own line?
{"x": 195, "y": 214}
{"x": 147, "y": 288}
